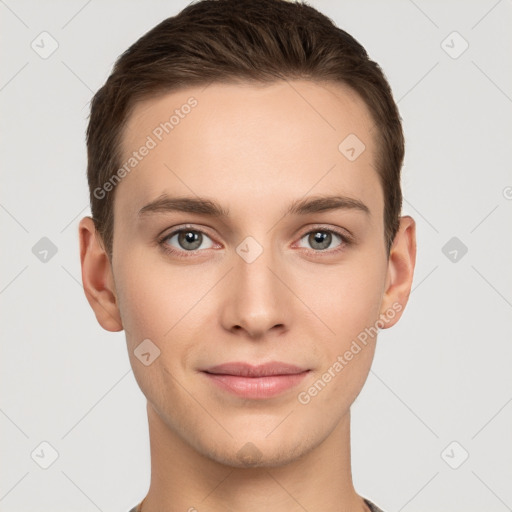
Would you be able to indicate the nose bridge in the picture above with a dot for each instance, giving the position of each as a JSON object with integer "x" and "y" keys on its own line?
{"x": 257, "y": 301}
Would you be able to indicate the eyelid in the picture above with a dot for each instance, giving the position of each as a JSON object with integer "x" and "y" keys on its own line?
{"x": 345, "y": 234}
{"x": 182, "y": 227}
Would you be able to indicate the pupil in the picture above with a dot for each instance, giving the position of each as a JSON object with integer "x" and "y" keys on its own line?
{"x": 191, "y": 238}
{"x": 321, "y": 238}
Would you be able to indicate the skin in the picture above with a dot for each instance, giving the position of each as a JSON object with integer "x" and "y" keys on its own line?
{"x": 254, "y": 149}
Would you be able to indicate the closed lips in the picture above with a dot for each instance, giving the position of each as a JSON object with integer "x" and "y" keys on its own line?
{"x": 254, "y": 371}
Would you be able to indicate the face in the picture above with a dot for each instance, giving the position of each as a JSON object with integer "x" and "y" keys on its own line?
{"x": 256, "y": 309}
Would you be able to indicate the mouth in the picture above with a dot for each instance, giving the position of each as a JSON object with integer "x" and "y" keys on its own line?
{"x": 256, "y": 382}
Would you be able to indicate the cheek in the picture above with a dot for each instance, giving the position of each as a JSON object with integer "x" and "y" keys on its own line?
{"x": 354, "y": 299}
{"x": 351, "y": 309}
{"x": 167, "y": 304}
{"x": 152, "y": 297}
{"x": 141, "y": 303}
{"x": 153, "y": 302}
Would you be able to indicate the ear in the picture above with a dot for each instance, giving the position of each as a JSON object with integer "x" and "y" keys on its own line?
{"x": 402, "y": 258}
{"x": 97, "y": 277}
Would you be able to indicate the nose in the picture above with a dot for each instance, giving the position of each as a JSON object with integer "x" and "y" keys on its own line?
{"x": 257, "y": 304}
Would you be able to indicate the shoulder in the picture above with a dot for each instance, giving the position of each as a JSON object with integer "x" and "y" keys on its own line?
{"x": 371, "y": 506}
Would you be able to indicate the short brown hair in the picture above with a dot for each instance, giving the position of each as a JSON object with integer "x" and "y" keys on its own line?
{"x": 232, "y": 40}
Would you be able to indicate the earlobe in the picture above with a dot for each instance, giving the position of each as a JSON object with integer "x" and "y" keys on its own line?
{"x": 402, "y": 259}
{"x": 97, "y": 277}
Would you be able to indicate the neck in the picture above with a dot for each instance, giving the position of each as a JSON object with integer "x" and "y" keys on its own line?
{"x": 182, "y": 479}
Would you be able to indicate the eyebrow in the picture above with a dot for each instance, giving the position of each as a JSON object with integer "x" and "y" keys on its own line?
{"x": 206, "y": 206}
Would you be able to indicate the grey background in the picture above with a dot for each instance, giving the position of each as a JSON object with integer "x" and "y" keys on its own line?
{"x": 441, "y": 375}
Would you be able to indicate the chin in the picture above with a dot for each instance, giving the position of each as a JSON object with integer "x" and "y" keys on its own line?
{"x": 257, "y": 451}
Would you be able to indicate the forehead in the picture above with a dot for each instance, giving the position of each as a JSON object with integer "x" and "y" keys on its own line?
{"x": 246, "y": 143}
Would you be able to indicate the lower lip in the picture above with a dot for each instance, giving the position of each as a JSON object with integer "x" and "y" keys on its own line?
{"x": 256, "y": 388}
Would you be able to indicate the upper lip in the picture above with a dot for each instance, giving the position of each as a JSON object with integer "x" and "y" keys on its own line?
{"x": 242, "y": 369}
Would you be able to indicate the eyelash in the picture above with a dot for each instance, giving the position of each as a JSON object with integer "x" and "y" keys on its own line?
{"x": 345, "y": 241}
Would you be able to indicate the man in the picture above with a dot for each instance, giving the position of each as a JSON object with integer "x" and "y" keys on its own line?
{"x": 244, "y": 167}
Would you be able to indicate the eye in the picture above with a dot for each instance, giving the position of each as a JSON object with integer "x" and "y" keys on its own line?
{"x": 186, "y": 240}
{"x": 321, "y": 239}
